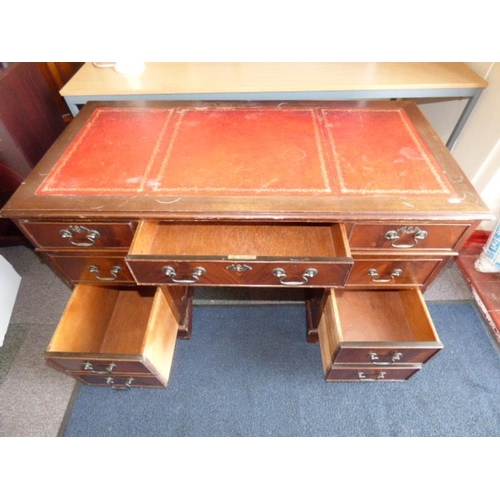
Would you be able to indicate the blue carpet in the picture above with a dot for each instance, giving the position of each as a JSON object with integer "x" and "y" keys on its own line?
{"x": 249, "y": 372}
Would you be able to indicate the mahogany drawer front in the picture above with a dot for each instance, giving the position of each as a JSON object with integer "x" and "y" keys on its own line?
{"x": 353, "y": 373}
{"x": 96, "y": 365}
{"x": 248, "y": 273}
{"x": 376, "y": 329}
{"x": 240, "y": 254}
{"x": 392, "y": 273}
{"x": 121, "y": 381}
{"x": 93, "y": 268}
{"x": 132, "y": 328}
{"x": 386, "y": 354}
{"x": 401, "y": 236}
{"x": 79, "y": 235}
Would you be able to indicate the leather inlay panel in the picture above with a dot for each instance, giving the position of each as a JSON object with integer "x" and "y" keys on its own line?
{"x": 248, "y": 151}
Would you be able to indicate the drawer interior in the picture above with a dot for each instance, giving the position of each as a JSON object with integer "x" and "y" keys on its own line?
{"x": 240, "y": 241}
{"x": 383, "y": 316}
{"x": 112, "y": 320}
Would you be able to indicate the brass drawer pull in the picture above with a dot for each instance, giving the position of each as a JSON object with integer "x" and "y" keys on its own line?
{"x": 90, "y": 367}
{"x": 418, "y": 234}
{"x": 114, "y": 271}
{"x": 396, "y": 357}
{"x": 362, "y": 376}
{"x": 197, "y": 272}
{"x": 373, "y": 273}
{"x": 71, "y": 231}
{"x": 124, "y": 387}
{"x": 306, "y": 275}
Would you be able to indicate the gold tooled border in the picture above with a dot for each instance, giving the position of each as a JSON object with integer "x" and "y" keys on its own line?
{"x": 181, "y": 113}
{"x": 66, "y": 157}
{"x": 409, "y": 128}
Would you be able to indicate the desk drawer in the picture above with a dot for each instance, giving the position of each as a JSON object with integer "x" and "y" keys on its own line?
{"x": 387, "y": 273}
{"x": 403, "y": 236}
{"x": 115, "y": 331}
{"x": 362, "y": 330}
{"x": 120, "y": 381}
{"x": 79, "y": 234}
{"x": 97, "y": 364}
{"x": 348, "y": 373}
{"x": 240, "y": 254}
{"x": 93, "y": 268}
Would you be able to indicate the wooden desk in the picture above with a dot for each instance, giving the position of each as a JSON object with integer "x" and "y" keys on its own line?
{"x": 137, "y": 204}
{"x": 280, "y": 81}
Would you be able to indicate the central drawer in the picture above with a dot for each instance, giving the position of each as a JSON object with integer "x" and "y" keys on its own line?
{"x": 228, "y": 254}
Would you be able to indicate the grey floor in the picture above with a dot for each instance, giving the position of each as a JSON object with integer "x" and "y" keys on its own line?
{"x": 34, "y": 397}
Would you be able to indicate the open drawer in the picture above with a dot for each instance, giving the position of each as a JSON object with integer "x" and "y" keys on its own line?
{"x": 311, "y": 255}
{"x": 389, "y": 332}
{"x": 108, "y": 334}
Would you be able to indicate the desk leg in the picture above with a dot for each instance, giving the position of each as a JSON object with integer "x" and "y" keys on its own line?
{"x": 463, "y": 118}
{"x": 314, "y": 306}
{"x": 72, "y": 106}
{"x": 180, "y": 299}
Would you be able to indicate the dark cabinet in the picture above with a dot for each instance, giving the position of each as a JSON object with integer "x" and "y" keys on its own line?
{"x": 31, "y": 119}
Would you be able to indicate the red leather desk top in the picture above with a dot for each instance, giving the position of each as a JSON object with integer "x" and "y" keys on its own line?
{"x": 247, "y": 151}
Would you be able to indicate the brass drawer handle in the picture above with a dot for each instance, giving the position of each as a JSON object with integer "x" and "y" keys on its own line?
{"x": 124, "y": 387}
{"x": 197, "y": 272}
{"x": 373, "y": 273}
{"x": 71, "y": 231}
{"x": 90, "y": 367}
{"x": 380, "y": 376}
{"x": 306, "y": 275}
{"x": 418, "y": 234}
{"x": 114, "y": 271}
{"x": 396, "y": 357}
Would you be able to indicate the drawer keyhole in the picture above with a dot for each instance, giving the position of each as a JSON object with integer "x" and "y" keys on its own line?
{"x": 239, "y": 268}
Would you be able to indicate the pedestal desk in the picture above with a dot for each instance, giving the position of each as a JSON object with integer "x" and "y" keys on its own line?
{"x": 137, "y": 203}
